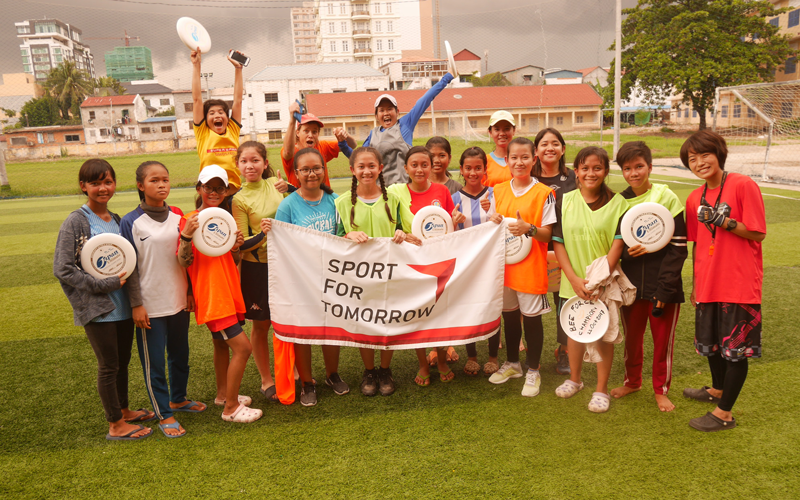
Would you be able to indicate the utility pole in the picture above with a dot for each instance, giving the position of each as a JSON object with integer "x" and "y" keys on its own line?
{"x": 207, "y": 76}
{"x": 617, "y": 76}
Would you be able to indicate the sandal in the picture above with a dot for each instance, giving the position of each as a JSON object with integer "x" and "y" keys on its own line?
{"x": 599, "y": 403}
{"x": 173, "y": 425}
{"x": 452, "y": 355}
{"x": 243, "y": 415}
{"x": 711, "y": 423}
{"x": 129, "y": 436}
{"x": 271, "y": 393}
{"x": 243, "y": 400}
{"x": 433, "y": 358}
{"x": 701, "y": 395}
{"x": 189, "y": 405}
{"x": 490, "y": 367}
{"x": 568, "y": 389}
{"x": 426, "y": 381}
{"x": 447, "y": 376}
{"x": 472, "y": 367}
{"x": 147, "y": 417}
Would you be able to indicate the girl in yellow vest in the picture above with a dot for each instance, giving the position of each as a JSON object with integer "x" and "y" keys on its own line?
{"x": 533, "y": 205}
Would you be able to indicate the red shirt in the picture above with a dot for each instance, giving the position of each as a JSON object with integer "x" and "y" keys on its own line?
{"x": 437, "y": 195}
{"x": 329, "y": 150}
{"x": 735, "y": 271}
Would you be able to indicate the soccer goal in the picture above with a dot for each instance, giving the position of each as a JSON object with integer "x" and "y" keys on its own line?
{"x": 459, "y": 126}
{"x": 761, "y": 124}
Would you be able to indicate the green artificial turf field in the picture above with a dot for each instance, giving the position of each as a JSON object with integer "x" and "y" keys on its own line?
{"x": 466, "y": 439}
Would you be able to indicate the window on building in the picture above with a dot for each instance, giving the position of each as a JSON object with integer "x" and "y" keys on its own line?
{"x": 39, "y": 51}
{"x": 768, "y": 109}
{"x": 275, "y": 135}
{"x": 146, "y": 130}
{"x": 342, "y": 9}
{"x": 103, "y": 132}
{"x": 331, "y": 28}
{"x": 296, "y": 18}
{"x": 26, "y": 60}
{"x": 164, "y": 102}
{"x": 91, "y": 115}
{"x": 24, "y": 52}
{"x": 791, "y": 66}
{"x": 351, "y": 130}
{"x": 27, "y": 68}
{"x": 22, "y": 30}
{"x": 339, "y": 91}
{"x": 46, "y": 28}
{"x": 273, "y": 116}
{"x": 786, "y": 110}
{"x": 58, "y": 59}
{"x": 188, "y": 107}
{"x": 391, "y": 44}
{"x": 166, "y": 128}
{"x": 751, "y": 113}
{"x": 724, "y": 112}
{"x": 19, "y": 141}
{"x": 389, "y": 25}
{"x": 345, "y": 46}
{"x": 774, "y": 21}
{"x": 380, "y": 62}
{"x": 388, "y": 7}
{"x": 377, "y": 8}
{"x": 559, "y": 120}
{"x": 298, "y": 49}
{"x": 579, "y": 119}
{"x": 271, "y": 97}
{"x": 686, "y": 113}
{"x": 326, "y": 132}
{"x": 794, "y": 18}
{"x": 330, "y": 8}
{"x": 333, "y": 45}
{"x": 473, "y": 123}
{"x": 737, "y": 110}
{"x": 378, "y": 27}
{"x": 378, "y": 44}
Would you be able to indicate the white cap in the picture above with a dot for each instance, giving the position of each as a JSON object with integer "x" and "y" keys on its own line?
{"x": 500, "y": 116}
{"x": 212, "y": 171}
{"x": 385, "y": 96}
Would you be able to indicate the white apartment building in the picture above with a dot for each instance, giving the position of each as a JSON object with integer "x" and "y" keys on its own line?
{"x": 273, "y": 89}
{"x": 46, "y": 43}
{"x": 372, "y": 32}
{"x": 304, "y": 37}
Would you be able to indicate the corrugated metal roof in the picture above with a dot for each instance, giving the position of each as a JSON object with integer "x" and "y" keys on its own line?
{"x": 469, "y": 98}
{"x": 114, "y": 100}
{"x": 304, "y": 71}
{"x": 158, "y": 119}
{"x": 146, "y": 88}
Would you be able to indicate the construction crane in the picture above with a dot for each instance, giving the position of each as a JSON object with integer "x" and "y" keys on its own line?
{"x": 127, "y": 38}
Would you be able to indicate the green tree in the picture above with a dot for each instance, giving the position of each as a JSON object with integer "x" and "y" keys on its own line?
{"x": 170, "y": 111}
{"x": 68, "y": 86}
{"x": 491, "y": 80}
{"x": 40, "y": 112}
{"x": 692, "y": 47}
{"x": 108, "y": 85}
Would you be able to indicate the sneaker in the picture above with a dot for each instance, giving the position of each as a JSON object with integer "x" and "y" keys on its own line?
{"x": 369, "y": 382}
{"x": 562, "y": 361}
{"x": 532, "y": 382}
{"x": 308, "y": 395}
{"x": 385, "y": 381}
{"x": 506, "y": 372}
{"x": 339, "y": 386}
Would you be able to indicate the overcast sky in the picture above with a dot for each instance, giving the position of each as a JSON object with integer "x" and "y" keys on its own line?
{"x": 570, "y": 34}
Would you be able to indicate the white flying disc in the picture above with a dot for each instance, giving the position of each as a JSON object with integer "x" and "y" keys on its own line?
{"x": 107, "y": 255}
{"x": 584, "y": 321}
{"x": 517, "y": 247}
{"x": 217, "y": 232}
{"x": 451, "y": 58}
{"x": 193, "y": 34}
{"x": 431, "y": 221}
{"x": 553, "y": 273}
{"x": 648, "y": 224}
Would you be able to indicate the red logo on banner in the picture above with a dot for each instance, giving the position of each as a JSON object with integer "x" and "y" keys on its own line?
{"x": 441, "y": 270}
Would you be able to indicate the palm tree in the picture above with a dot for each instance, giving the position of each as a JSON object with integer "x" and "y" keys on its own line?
{"x": 68, "y": 85}
{"x": 108, "y": 85}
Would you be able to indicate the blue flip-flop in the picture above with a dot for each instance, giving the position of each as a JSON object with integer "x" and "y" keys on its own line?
{"x": 142, "y": 418}
{"x": 129, "y": 436}
{"x": 188, "y": 408}
{"x": 174, "y": 425}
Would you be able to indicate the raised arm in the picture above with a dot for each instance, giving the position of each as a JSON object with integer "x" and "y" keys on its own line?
{"x": 287, "y": 153}
{"x": 409, "y": 121}
{"x": 238, "y": 89}
{"x": 197, "y": 88}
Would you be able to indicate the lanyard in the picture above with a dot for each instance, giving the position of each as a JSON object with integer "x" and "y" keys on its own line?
{"x": 712, "y": 228}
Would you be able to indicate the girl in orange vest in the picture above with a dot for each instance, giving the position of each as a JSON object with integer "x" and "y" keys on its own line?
{"x": 501, "y": 129}
{"x": 533, "y": 205}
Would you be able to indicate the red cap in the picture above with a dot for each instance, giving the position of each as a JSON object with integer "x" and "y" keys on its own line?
{"x": 309, "y": 118}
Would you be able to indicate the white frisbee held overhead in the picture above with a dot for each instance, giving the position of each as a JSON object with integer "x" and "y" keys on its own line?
{"x": 584, "y": 321}
{"x": 648, "y": 224}
{"x": 107, "y": 255}
{"x": 431, "y": 221}
{"x": 217, "y": 232}
{"x": 193, "y": 34}
{"x": 517, "y": 247}
{"x": 450, "y": 58}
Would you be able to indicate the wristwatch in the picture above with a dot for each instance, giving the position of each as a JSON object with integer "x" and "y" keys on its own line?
{"x": 731, "y": 224}
{"x": 532, "y": 231}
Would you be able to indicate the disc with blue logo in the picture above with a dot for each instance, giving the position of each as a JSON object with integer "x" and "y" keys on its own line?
{"x": 648, "y": 224}
{"x": 431, "y": 221}
{"x": 517, "y": 247}
{"x": 107, "y": 255}
{"x": 217, "y": 232}
{"x": 193, "y": 34}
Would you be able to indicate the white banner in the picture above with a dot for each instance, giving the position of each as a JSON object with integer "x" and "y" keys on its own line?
{"x": 328, "y": 290}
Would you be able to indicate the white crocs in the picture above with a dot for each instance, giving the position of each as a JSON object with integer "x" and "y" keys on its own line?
{"x": 243, "y": 415}
{"x": 600, "y": 402}
{"x": 568, "y": 389}
{"x": 243, "y": 400}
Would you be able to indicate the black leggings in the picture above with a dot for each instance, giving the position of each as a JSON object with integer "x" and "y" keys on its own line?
{"x": 729, "y": 377}
{"x": 534, "y": 337}
{"x": 494, "y": 346}
{"x": 112, "y": 343}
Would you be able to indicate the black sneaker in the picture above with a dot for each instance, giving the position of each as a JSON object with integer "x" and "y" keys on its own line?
{"x": 308, "y": 395}
{"x": 562, "y": 361}
{"x": 369, "y": 382}
{"x": 339, "y": 386}
{"x": 385, "y": 381}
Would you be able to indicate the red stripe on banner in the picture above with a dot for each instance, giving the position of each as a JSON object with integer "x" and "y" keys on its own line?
{"x": 334, "y": 334}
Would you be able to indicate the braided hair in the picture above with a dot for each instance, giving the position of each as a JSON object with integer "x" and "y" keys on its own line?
{"x": 354, "y": 185}
{"x": 385, "y": 197}
{"x": 353, "y": 200}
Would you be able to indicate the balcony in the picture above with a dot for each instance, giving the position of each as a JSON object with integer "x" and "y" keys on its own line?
{"x": 361, "y": 34}
{"x": 360, "y": 15}
{"x": 362, "y": 52}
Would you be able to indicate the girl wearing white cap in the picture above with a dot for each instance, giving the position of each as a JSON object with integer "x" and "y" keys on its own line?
{"x": 501, "y": 129}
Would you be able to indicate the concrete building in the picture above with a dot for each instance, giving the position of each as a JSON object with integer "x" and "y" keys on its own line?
{"x": 562, "y": 77}
{"x": 273, "y": 89}
{"x": 15, "y": 90}
{"x": 157, "y": 97}
{"x": 595, "y": 75}
{"x": 411, "y": 73}
{"x": 304, "y": 38}
{"x": 467, "y": 63}
{"x": 526, "y": 75}
{"x": 31, "y": 137}
{"x": 128, "y": 64}
{"x": 371, "y": 32}
{"x": 567, "y": 107}
{"x": 46, "y": 43}
{"x": 112, "y": 118}
{"x": 158, "y": 128}
{"x": 789, "y": 24}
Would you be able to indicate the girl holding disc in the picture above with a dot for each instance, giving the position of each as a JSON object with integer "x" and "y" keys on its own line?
{"x": 587, "y": 229}
{"x": 501, "y": 129}
{"x": 468, "y": 199}
{"x": 258, "y": 199}
{"x": 551, "y": 170}
{"x": 161, "y": 313}
{"x": 657, "y": 277}
{"x": 218, "y": 299}
{"x": 367, "y": 211}
{"x": 533, "y": 206}
{"x": 217, "y": 134}
{"x": 441, "y": 154}
{"x": 100, "y": 306}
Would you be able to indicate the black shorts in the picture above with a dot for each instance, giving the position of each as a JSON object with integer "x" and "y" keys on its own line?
{"x": 732, "y": 330}
{"x": 255, "y": 290}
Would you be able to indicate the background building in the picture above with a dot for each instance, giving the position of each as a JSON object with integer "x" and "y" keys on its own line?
{"x": 304, "y": 38}
{"x": 128, "y": 64}
{"x": 46, "y": 43}
{"x": 562, "y": 77}
{"x": 112, "y": 118}
{"x": 156, "y": 97}
{"x": 526, "y": 75}
{"x": 467, "y": 63}
{"x": 15, "y": 90}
